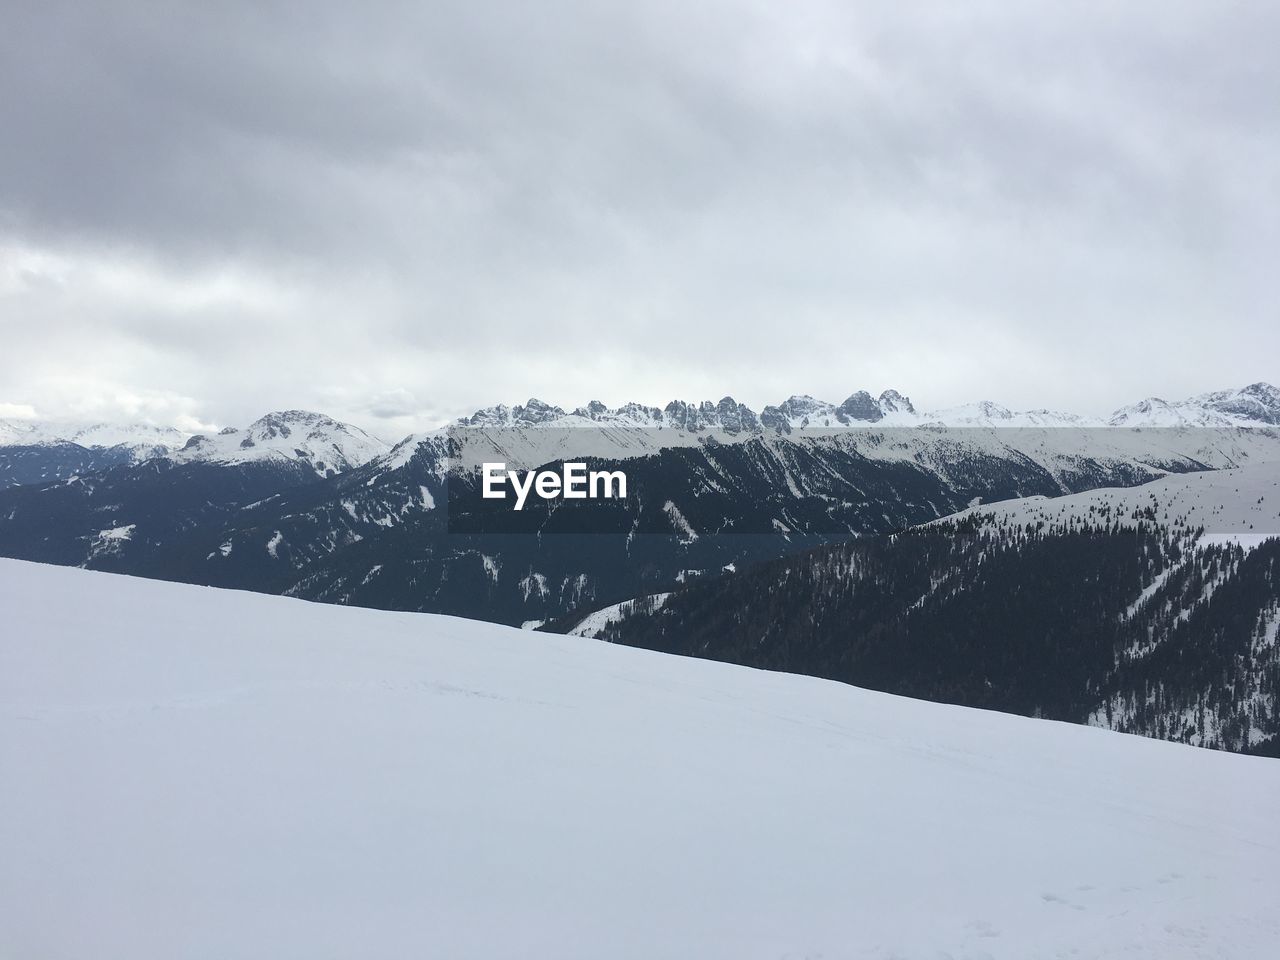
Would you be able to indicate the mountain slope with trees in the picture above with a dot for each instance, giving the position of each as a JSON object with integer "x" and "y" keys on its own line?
{"x": 1119, "y": 611}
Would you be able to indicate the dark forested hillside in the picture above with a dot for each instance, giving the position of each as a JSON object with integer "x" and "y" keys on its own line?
{"x": 1133, "y": 627}
{"x": 22, "y": 464}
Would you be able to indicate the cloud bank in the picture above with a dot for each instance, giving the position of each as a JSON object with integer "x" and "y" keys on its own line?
{"x": 398, "y": 212}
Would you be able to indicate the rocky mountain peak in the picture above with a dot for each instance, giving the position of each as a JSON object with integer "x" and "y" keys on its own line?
{"x": 862, "y": 406}
{"x": 536, "y": 411}
{"x": 592, "y": 411}
{"x": 891, "y": 401}
{"x": 1258, "y": 401}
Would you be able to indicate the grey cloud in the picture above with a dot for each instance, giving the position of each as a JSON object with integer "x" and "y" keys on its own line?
{"x": 479, "y": 202}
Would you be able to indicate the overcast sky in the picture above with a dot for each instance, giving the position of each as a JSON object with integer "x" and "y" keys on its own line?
{"x": 395, "y": 213}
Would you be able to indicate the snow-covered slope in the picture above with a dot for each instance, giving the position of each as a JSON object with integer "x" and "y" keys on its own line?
{"x": 290, "y": 435}
{"x": 1242, "y": 504}
{"x": 235, "y": 775}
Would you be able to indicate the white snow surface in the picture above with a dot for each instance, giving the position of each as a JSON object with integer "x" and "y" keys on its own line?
{"x": 243, "y": 776}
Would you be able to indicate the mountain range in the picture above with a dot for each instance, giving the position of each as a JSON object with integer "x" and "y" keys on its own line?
{"x": 1255, "y": 404}
{"x": 302, "y": 505}
{"x": 335, "y": 446}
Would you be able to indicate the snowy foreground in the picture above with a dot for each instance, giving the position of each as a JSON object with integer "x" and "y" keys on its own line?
{"x": 186, "y": 772}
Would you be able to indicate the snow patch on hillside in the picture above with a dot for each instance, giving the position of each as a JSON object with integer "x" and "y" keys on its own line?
{"x": 594, "y": 624}
{"x": 679, "y": 523}
{"x": 112, "y": 540}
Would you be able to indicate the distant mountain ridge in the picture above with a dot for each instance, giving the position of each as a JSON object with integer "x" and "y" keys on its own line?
{"x": 43, "y": 451}
{"x": 100, "y": 434}
{"x": 327, "y": 445}
{"x": 1252, "y": 405}
{"x": 34, "y": 451}
{"x": 1257, "y": 404}
{"x": 300, "y": 504}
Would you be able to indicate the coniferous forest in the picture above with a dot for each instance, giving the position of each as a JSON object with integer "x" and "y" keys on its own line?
{"x": 1041, "y": 622}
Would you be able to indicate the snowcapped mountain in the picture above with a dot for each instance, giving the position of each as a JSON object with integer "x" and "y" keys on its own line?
{"x": 141, "y": 435}
{"x": 284, "y": 506}
{"x": 519, "y": 434}
{"x": 43, "y": 451}
{"x": 859, "y": 409}
{"x": 299, "y": 503}
{"x": 294, "y": 504}
{"x": 727, "y": 415}
{"x": 334, "y": 447}
{"x": 1255, "y": 405}
{"x": 326, "y": 445}
{"x": 143, "y": 439}
{"x": 16, "y": 431}
{"x": 988, "y": 414}
{"x": 243, "y": 771}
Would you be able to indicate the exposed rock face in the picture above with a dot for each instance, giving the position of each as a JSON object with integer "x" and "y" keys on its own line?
{"x": 862, "y": 406}
{"x": 798, "y": 412}
{"x": 727, "y": 415}
{"x": 1258, "y": 401}
{"x": 891, "y": 401}
{"x": 736, "y": 417}
{"x": 1255, "y": 405}
{"x": 534, "y": 412}
{"x": 592, "y": 411}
